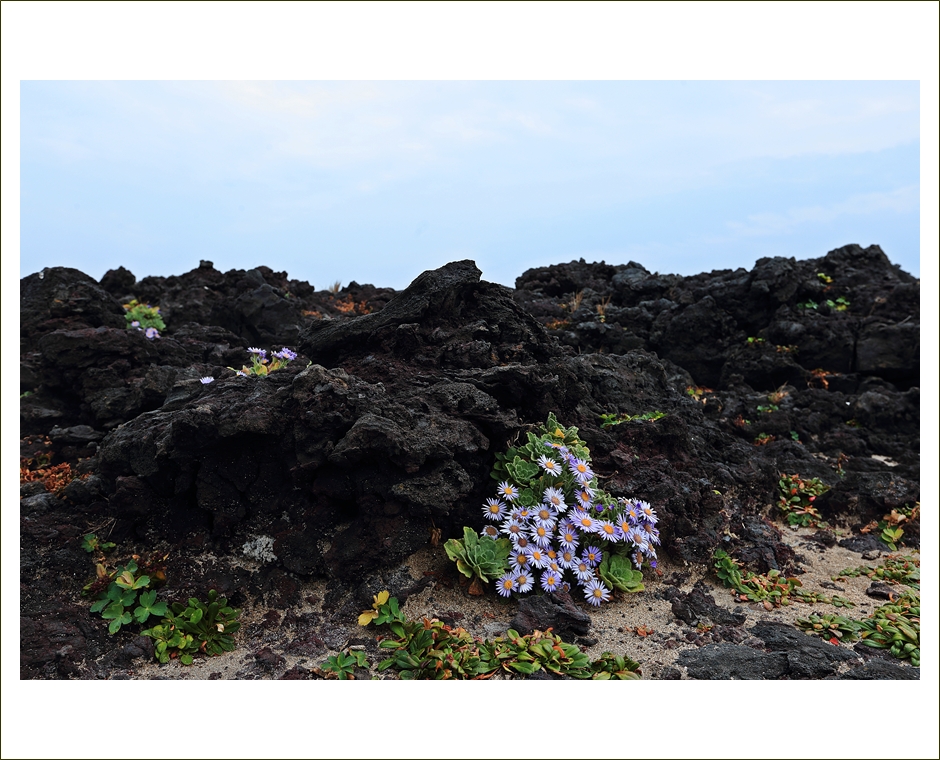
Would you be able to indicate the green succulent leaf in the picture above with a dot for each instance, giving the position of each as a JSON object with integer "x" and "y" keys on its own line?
{"x": 618, "y": 572}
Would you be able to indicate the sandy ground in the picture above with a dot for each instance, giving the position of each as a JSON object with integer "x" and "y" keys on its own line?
{"x": 614, "y": 625}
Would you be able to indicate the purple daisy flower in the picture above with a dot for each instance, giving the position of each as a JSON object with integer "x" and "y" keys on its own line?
{"x": 545, "y": 516}
{"x": 537, "y": 557}
{"x": 623, "y": 522}
{"x": 579, "y": 468}
{"x": 606, "y": 529}
{"x": 584, "y": 495}
{"x": 206, "y": 380}
{"x": 592, "y": 555}
{"x": 584, "y": 521}
{"x": 541, "y": 536}
{"x": 583, "y": 570}
{"x": 260, "y": 353}
{"x": 520, "y": 542}
{"x": 632, "y": 512}
{"x": 494, "y": 509}
{"x": 551, "y": 581}
{"x": 506, "y": 584}
{"x": 151, "y": 333}
{"x": 556, "y": 498}
{"x": 638, "y": 537}
{"x": 550, "y": 466}
{"x": 648, "y": 513}
{"x": 567, "y": 558}
{"x": 568, "y": 539}
{"x": 490, "y": 530}
{"x": 524, "y": 581}
{"x": 286, "y": 353}
{"x": 518, "y": 559}
{"x": 596, "y": 592}
{"x": 511, "y": 528}
{"x": 508, "y": 491}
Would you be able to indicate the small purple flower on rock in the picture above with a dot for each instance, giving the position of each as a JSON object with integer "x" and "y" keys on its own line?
{"x": 596, "y": 592}
{"x": 151, "y": 333}
{"x": 206, "y": 380}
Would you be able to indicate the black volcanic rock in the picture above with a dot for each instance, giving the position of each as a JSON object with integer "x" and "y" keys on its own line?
{"x": 386, "y": 426}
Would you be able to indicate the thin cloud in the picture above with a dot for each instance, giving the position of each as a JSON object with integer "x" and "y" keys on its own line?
{"x": 904, "y": 200}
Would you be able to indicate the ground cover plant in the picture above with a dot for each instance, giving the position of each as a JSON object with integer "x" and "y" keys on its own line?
{"x": 430, "y": 649}
{"x": 127, "y": 594}
{"x": 796, "y": 500}
{"x": 561, "y": 527}
{"x": 890, "y": 528}
{"x": 894, "y": 569}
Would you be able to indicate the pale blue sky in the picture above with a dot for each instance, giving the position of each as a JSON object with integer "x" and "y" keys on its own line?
{"x": 377, "y": 181}
{"x": 115, "y": 156}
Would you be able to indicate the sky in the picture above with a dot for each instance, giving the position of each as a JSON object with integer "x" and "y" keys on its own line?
{"x": 372, "y": 141}
{"x": 376, "y": 181}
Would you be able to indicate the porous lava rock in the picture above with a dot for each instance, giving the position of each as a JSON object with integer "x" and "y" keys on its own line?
{"x": 382, "y": 434}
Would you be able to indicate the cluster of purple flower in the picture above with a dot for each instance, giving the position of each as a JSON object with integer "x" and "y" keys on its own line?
{"x": 150, "y": 332}
{"x": 564, "y": 534}
{"x": 260, "y": 365}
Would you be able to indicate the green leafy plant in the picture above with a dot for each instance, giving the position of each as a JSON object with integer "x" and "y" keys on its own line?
{"x": 384, "y": 610}
{"x": 615, "y": 667}
{"x": 810, "y": 304}
{"x": 144, "y": 317}
{"x": 618, "y": 572}
{"x": 755, "y": 341}
{"x": 763, "y": 439}
{"x": 195, "y": 628}
{"x": 343, "y": 665}
{"x": 211, "y": 624}
{"x": 607, "y": 420}
{"x": 899, "y": 570}
{"x": 121, "y": 595}
{"x": 825, "y": 278}
{"x": 768, "y": 408}
{"x": 480, "y": 558}
{"x": 835, "y": 628}
{"x": 890, "y": 528}
{"x": 771, "y": 589}
{"x": 839, "y": 304}
{"x": 796, "y": 500}
{"x": 430, "y": 649}
{"x": 91, "y": 543}
{"x": 895, "y": 627}
{"x": 813, "y": 597}
{"x": 795, "y": 436}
